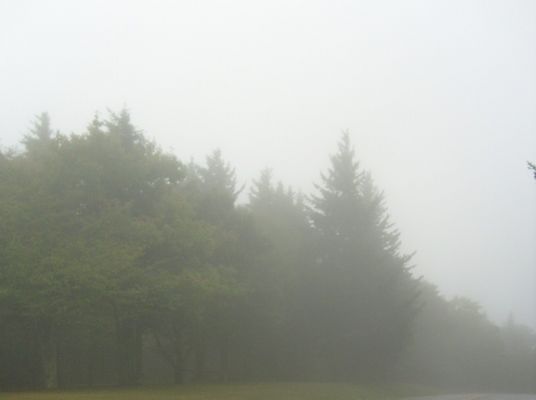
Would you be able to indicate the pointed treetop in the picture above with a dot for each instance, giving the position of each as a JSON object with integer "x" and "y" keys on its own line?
{"x": 95, "y": 125}
{"x": 220, "y": 173}
{"x": 40, "y": 134}
{"x": 265, "y": 193}
{"x": 262, "y": 189}
{"x": 217, "y": 182}
{"x": 344, "y": 175}
{"x": 121, "y": 125}
{"x": 41, "y": 128}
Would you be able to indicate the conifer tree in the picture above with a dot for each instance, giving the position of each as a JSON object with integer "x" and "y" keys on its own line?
{"x": 38, "y": 142}
{"x": 361, "y": 273}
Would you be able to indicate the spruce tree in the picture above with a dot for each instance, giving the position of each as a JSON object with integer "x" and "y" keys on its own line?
{"x": 219, "y": 186}
{"x": 364, "y": 288}
{"x": 39, "y": 141}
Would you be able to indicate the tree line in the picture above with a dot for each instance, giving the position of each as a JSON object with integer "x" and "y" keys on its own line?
{"x": 122, "y": 265}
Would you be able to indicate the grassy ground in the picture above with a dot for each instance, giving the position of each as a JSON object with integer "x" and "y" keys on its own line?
{"x": 285, "y": 391}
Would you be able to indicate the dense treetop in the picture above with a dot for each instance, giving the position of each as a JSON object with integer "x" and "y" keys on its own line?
{"x": 120, "y": 264}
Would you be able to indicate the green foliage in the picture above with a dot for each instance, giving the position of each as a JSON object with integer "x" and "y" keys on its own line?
{"x": 364, "y": 291}
{"x": 119, "y": 264}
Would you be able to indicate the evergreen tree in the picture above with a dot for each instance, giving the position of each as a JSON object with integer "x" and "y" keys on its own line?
{"x": 41, "y": 130}
{"x": 219, "y": 187}
{"x": 336, "y": 209}
{"x": 212, "y": 189}
{"x": 39, "y": 141}
{"x": 365, "y": 290}
{"x": 282, "y": 222}
{"x": 111, "y": 251}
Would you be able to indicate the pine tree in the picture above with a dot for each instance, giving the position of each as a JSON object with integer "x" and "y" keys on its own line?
{"x": 336, "y": 209}
{"x": 121, "y": 126}
{"x": 39, "y": 140}
{"x": 361, "y": 272}
{"x": 219, "y": 186}
{"x": 282, "y": 221}
{"x": 261, "y": 193}
{"x": 41, "y": 129}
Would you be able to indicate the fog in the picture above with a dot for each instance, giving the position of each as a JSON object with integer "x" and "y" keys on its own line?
{"x": 439, "y": 99}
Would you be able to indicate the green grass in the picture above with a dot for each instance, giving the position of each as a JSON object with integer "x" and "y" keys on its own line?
{"x": 279, "y": 391}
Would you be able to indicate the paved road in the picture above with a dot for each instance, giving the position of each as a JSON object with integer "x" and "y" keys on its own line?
{"x": 480, "y": 396}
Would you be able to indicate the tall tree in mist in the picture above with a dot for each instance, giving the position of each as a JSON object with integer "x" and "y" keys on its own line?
{"x": 281, "y": 218}
{"x": 365, "y": 291}
{"x": 212, "y": 190}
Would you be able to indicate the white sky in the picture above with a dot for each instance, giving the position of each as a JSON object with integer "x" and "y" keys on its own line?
{"x": 439, "y": 96}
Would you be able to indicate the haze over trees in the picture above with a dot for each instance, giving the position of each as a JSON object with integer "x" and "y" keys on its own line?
{"x": 120, "y": 264}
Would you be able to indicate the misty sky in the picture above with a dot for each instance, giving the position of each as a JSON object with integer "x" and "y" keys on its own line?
{"x": 439, "y": 98}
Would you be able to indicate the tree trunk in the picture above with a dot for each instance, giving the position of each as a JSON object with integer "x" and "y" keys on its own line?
{"x": 137, "y": 343}
{"x": 178, "y": 365}
{"x": 129, "y": 352}
{"x": 91, "y": 349}
{"x": 173, "y": 356}
{"x": 200, "y": 358}
{"x": 49, "y": 358}
{"x": 59, "y": 364}
{"x": 224, "y": 358}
